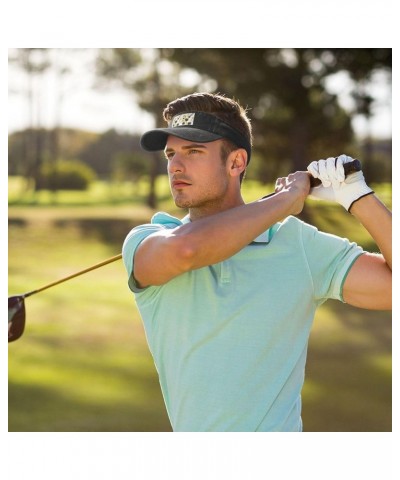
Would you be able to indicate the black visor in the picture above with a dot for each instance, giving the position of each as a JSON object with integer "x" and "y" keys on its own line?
{"x": 197, "y": 127}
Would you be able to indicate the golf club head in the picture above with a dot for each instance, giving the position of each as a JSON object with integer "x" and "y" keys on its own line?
{"x": 16, "y": 317}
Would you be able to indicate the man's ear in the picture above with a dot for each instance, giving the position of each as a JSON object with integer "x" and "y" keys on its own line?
{"x": 237, "y": 161}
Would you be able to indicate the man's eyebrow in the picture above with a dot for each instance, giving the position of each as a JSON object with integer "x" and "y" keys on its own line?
{"x": 187, "y": 147}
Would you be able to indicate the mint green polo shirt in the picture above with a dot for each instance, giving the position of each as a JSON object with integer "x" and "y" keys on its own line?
{"x": 229, "y": 341}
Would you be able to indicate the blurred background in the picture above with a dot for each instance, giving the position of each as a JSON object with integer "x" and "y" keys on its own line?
{"x": 78, "y": 182}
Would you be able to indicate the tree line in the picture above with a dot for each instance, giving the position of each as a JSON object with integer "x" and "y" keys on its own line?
{"x": 295, "y": 117}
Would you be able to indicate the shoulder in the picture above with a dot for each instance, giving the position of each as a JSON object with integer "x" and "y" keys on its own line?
{"x": 166, "y": 220}
{"x": 290, "y": 228}
{"x": 159, "y": 221}
{"x": 295, "y": 231}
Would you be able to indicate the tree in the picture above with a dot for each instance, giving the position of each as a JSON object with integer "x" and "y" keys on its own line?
{"x": 33, "y": 62}
{"x": 153, "y": 81}
{"x": 43, "y": 68}
{"x": 295, "y": 118}
{"x": 99, "y": 153}
{"x": 362, "y": 65}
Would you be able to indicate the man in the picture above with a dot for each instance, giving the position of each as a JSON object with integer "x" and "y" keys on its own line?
{"x": 228, "y": 294}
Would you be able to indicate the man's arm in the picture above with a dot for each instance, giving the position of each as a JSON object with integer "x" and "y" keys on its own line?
{"x": 369, "y": 282}
{"x": 166, "y": 254}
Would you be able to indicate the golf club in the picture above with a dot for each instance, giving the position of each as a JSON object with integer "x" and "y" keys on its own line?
{"x": 350, "y": 167}
{"x": 16, "y": 303}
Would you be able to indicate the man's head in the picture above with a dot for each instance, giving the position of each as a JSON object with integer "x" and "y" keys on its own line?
{"x": 203, "y": 118}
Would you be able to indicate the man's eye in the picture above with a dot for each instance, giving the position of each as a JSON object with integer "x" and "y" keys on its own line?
{"x": 194, "y": 150}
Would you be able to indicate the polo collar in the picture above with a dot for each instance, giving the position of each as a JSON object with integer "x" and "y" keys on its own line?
{"x": 265, "y": 237}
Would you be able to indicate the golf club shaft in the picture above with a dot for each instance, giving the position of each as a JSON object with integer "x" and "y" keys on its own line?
{"x": 98, "y": 265}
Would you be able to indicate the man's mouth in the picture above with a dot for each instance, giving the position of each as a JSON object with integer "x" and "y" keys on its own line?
{"x": 178, "y": 183}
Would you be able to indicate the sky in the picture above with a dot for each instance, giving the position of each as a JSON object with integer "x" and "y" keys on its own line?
{"x": 81, "y": 104}
{"x": 86, "y": 105}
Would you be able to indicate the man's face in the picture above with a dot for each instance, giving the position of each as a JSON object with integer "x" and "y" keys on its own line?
{"x": 198, "y": 178}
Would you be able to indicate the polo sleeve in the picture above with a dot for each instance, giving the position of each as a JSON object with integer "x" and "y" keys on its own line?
{"x": 160, "y": 221}
{"x": 329, "y": 259}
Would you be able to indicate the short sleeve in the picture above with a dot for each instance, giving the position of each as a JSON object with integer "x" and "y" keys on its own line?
{"x": 330, "y": 259}
{"x": 134, "y": 238}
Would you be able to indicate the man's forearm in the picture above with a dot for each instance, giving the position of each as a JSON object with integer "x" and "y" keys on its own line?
{"x": 377, "y": 220}
{"x": 217, "y": 237}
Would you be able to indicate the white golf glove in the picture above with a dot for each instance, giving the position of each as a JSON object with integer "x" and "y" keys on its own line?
{"x": 335, "y": 187}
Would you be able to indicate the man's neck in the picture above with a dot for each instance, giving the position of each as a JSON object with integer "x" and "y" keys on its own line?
{"x": 203, "y": 211}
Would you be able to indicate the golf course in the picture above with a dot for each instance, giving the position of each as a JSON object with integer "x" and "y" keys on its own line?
{"x": 83, "y": 364}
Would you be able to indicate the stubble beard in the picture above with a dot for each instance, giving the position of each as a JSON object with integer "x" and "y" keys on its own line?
{"x": 210, "y": 200}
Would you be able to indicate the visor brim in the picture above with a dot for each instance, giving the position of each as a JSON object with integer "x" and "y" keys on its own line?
{"x": 155, "y": 140}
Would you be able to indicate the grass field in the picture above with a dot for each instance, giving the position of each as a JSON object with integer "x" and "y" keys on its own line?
{"x": 83, "y": 363}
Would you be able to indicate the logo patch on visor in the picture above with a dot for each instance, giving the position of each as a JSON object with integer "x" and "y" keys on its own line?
{"x": 183, "y": 119}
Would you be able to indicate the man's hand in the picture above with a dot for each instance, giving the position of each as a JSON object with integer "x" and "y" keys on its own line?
{"x": 298, "y": 185}
{"x": 335, "y": 187}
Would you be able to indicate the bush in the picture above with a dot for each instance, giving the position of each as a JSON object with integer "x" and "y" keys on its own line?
{"x": 66, "y": 175}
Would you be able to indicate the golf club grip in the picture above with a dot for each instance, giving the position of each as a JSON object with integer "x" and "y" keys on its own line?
{"x": 350, "y": 167}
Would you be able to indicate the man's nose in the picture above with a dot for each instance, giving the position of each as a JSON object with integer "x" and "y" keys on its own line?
{"x": 175, "y": 163}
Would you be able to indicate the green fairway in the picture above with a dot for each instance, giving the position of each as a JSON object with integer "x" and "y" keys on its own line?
{"x": 83, "y": 363}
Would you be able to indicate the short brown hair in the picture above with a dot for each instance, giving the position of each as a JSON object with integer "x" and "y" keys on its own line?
{"x": 226, "y": 109}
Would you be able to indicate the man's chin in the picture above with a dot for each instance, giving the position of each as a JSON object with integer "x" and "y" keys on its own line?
{"x": 183, "y": 203}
